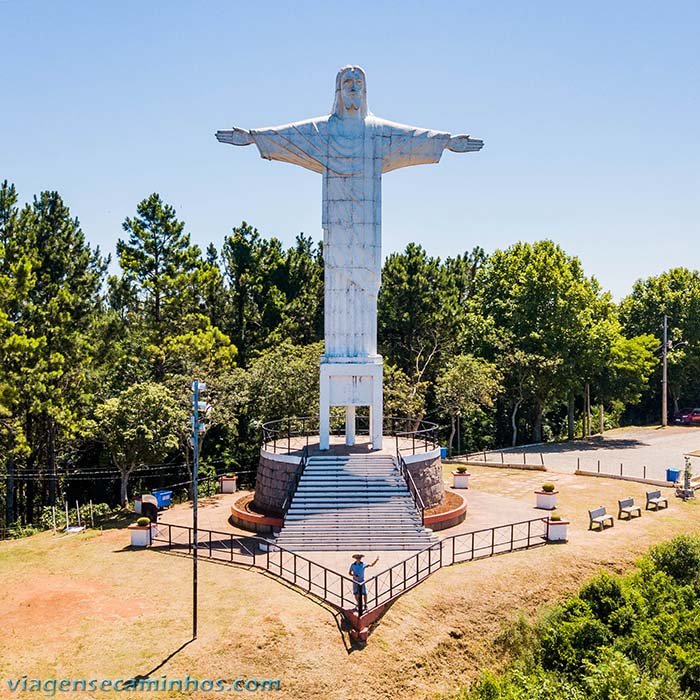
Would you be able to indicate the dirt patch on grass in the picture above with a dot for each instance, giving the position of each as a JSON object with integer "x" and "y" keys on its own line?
{"x": 88, "y": 606}
{"x": 49, "y": 600}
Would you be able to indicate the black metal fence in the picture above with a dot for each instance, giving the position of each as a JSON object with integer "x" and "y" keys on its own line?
{"x": 287, "y": 435}
{"x": 412, "y": 488}
{"x": 294, "y": 483}
{"x": 338, "y": 589}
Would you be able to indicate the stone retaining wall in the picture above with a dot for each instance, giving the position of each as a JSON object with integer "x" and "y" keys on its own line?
{"x": 426, "y": 470}
{"x": 275, "y": 473}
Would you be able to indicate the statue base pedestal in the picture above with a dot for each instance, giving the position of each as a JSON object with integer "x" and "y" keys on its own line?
{"x": 351, "y": 382}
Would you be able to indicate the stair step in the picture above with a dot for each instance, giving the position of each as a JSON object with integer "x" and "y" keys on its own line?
{"x": 350, "y": 503}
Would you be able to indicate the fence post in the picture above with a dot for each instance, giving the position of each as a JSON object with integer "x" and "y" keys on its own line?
{"x": 542, "y": 459}
{"x": 502, "y": 459}
{"x": 598, "y": 466}
{"x": 524, "y": 458}
{"x": 620, "y": 468}
{"x": 645, "y": 471}
{"x": 578, "y": 464}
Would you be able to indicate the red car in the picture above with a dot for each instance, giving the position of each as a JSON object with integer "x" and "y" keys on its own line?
{"x": 687, "y": 416}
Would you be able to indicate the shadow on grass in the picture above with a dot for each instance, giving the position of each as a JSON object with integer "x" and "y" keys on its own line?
{"x": 340, "y": 620}
{"x": 138, "y": 679}
{"x": 117, "y": 519}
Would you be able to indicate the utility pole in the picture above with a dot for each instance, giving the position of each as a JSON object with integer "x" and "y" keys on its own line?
{"x": 664, "y": 377}
{"x": 197, "y": 427}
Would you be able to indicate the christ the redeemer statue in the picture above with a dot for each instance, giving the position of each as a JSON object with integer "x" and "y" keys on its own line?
{"x": 352, "y": 149}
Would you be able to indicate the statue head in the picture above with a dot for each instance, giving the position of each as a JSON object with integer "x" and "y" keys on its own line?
{"x": 350, "y": 92}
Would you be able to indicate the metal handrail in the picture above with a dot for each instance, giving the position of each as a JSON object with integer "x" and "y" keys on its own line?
{"x": 413, "y": 489}
{"x": 397, "y": 579}
{"x": 294, "y": 483}
{"x": 277, "y": 434}
{"x": 318, "y": 580}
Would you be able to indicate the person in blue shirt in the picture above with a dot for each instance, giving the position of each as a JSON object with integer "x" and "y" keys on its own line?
{"x": 357, "y": 571}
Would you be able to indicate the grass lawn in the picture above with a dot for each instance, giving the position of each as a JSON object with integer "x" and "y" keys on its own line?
{"x": 86, "y": 606}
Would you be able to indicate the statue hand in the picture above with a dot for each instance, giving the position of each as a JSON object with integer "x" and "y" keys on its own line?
{"x": 463, "y": 143}
{"x": 235, "y": 136}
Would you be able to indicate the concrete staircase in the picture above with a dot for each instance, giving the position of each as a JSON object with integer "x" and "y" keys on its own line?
{"x": 358, "y": 502}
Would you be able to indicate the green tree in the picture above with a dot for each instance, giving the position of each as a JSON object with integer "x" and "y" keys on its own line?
{"x": 464, "y": 386}
{"x": 302, "y": 284}
{"x": 254, "y": 269}
{"x": 541, "y": 304}
{"x": 50, "y": 327}
{"x": 140, "y": 426}
{"x": 403, "y": 398}
{"x": 420, "y": 316}
{"x": 159, "y": 263}
{"x": 675, "y": 293}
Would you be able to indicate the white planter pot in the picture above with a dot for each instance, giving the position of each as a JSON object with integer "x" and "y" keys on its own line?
{"x": 140, "y": 535}
{"x": 227, "y": 484}
{"x": 460, "y": 481}
{"x": 546, "y": 500}
{"x": 557, "y": 530}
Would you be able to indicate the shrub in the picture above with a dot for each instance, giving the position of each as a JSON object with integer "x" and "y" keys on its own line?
{"x": 604, "y": 595}
{"x": 679, "y": 558}
{"x": 565, "y": 644}
{"x": 99, "y": 510}
{"x": 555, "y": 517}
{"x": 461, "y": 470}
{"x": 142, "y": 522}
{"x": 548, "y": 488}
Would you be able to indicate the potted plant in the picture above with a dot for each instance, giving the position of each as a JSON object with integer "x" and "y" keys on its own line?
{"x": 547, "y": 497}
{"x": 557, "y": 529}
{"x": 460, "y": 478}
{"x": 140, "y": 532}
{"x": 227, "y": 483}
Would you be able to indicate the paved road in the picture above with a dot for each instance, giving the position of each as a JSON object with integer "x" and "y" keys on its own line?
{"x": 634, "y": 448}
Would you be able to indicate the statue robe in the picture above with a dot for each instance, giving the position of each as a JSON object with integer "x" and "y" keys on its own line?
{"x": 351, "y": 155}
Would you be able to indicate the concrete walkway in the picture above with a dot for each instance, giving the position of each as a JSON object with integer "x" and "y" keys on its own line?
{"x": 634, "y": 448}
{"x": 327, "y": 572}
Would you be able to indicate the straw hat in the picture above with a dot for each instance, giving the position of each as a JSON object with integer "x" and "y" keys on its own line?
{"x": 357, "y": 556}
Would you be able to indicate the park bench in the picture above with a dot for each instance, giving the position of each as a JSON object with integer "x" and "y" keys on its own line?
{"x": 655, "y": 499}
{"x": 599, "y": 516}
{"x": 626, "y": 506}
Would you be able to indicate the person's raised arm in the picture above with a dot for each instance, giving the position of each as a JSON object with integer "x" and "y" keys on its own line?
{"x": 235, "y": 136}
{"x": 373, "y": 563}
{"x": 463, "y": 143}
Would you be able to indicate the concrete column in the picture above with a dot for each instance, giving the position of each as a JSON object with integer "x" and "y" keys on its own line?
{"x": 349, "y": 426}
{"x": 324, "y": 411}
{"x": 376, "y": 411}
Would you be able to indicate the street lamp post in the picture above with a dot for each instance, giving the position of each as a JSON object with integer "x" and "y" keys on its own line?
{"x": 664, "y": 376}
{"x": 198, "y": 428}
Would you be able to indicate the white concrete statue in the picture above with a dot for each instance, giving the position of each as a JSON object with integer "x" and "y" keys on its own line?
{"x": 351, "y": 148}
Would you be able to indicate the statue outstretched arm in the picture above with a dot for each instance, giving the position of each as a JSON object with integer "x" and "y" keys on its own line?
{"x": 463, "y": 143}
{"x": 235, "y": 136}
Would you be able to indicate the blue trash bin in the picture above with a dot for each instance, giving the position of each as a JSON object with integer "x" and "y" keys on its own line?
{"x": 673, "y": 475}
{"x": 163, "y": 498}
{"x": 443, "y": 452}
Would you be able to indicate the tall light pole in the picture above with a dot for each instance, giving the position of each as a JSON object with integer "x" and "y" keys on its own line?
{"x": 198, "y": 428}
{"x": 664, "y": 376}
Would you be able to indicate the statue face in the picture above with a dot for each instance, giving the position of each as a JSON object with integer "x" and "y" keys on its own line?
{"x": 352, "y": 89}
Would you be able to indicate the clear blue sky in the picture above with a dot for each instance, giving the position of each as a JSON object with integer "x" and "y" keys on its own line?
{"x": 590, "y": 113}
